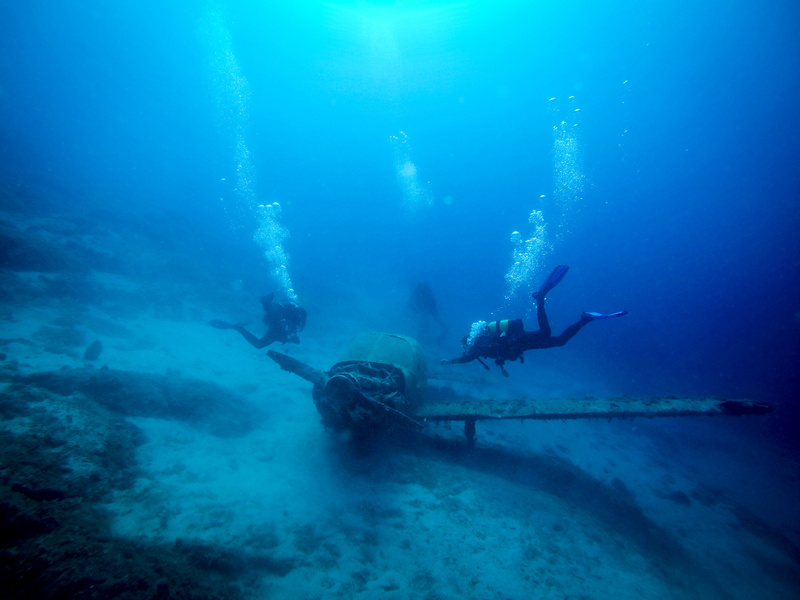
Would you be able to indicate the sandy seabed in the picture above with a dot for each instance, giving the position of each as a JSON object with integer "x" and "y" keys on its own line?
{"x": 181, "y": 463}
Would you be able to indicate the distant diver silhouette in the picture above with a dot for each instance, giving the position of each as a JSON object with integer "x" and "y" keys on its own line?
{"x": 508, "y": 340}
{"x": 283, "y": 321}
{"x": 423, "y": 303}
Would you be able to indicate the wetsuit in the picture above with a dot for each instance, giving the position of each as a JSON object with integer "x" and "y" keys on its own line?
{"x": 510, "y": 344}
{"x": 283, "y": 321}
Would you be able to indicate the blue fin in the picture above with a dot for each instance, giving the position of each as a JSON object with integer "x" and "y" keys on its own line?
{"x": 552, "y": 281}
{"x": 594, "y": 316}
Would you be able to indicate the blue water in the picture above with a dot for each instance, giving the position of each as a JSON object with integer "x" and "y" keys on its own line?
{"x": 687, "y": 215}
{"x": 680, "y": 205}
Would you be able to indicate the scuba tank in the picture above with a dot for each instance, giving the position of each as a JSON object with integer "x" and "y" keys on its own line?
{"x": 506, "y": 326}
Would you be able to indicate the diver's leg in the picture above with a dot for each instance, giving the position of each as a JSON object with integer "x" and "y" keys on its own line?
{"x": 568, "y": 333}
{"x": 257, "y": 343}
{"x": 443, "y": 329}
{"x": 423, "y": 327}
{"x": 544, "y": 324}
{"x": 586, "y": 317}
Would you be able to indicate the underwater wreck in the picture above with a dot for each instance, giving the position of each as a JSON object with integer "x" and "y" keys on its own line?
{"x": 380, "y": 383}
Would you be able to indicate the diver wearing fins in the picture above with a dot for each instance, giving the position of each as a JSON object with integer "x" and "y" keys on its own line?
{"x": 283, "y": 321}
{"x": 508, "y": 340}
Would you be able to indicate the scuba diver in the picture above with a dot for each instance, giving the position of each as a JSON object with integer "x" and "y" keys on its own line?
{"x": 283, "y": 321}
{"x": 507, "y": 340}
{"x": 423, "y": 303}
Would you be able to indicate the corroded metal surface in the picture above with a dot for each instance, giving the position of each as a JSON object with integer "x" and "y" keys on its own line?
{"x": 454, "y": 409}
{"x": 380, "y": 384}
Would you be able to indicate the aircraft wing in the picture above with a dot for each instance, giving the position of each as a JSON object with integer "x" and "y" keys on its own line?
{"x": 473, "y": 409}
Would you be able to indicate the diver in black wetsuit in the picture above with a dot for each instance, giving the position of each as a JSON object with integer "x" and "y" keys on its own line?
{"x": 508, "y": 340}
{"x": 423, "y": 302}
{"x": 283, "y": 321}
